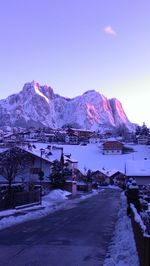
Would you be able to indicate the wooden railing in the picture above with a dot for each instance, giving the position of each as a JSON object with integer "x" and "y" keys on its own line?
{"x": 142, "y": 239}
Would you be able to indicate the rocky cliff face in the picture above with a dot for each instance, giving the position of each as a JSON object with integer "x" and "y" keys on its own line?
{"x": 38, "y": 106}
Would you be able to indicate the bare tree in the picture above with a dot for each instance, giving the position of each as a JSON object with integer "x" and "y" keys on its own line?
{"x": 12, "y": 163}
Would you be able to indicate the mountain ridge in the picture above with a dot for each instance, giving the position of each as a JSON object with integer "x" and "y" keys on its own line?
{"x": 37, "y": 105}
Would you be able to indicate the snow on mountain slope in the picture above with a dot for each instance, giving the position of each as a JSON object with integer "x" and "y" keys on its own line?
{"x": 38, "y": 105}
{"x": 118, "y": 112}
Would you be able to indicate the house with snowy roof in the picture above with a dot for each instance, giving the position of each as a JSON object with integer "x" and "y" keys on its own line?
{"x": 112, "y": 147}
{"x": 41, "y": 160}
{"x": 71, "y": 139}
{"x": 142, "y": 139}
{"x": 94, "y": 139}
{"x": 138, "y": 169}
{"x": 117, "y": 177}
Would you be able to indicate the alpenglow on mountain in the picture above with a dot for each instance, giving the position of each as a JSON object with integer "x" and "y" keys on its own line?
{"x": 38, "y": 105}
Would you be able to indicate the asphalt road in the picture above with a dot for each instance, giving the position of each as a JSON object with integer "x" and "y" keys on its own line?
{"x": 73, "y": 237}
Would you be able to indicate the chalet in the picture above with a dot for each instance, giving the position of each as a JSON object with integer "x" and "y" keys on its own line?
{"x": 107, "y": 135}
{"x": 41, "y": 161}
{"x": 31, "y": 135}
{"x": 112, "y": 147}
{"x": 94, "y": 139}
{"x": 100, "y": 177}
{"x": 49, "y": 137}
{"x": 138, "y": 169}
{"x": 117, "y": 178}
{"x": 109, "y": 177}
{"x": 142, "y": 139}
{"x": 71, "y": 139}
{"x": 82, "y": 134}
{"x": 71, "y": 131}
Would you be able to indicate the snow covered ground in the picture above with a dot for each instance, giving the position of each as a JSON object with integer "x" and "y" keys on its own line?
{"x": 122, "y": 250}
{"x": 91, "y": 157}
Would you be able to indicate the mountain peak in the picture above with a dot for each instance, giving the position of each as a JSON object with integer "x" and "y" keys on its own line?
{"x": 38, "y": 105}
{"x": 34, "y": 88}
{"x": 38, "y": 91}
{"x": 89, "y": 91}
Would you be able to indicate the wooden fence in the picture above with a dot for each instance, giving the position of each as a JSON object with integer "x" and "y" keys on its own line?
{"x": 4, "y": 202}
{"x": 19, "y": 198}
{"x": 142, "y": 241}
{"x": 22, "y": 198}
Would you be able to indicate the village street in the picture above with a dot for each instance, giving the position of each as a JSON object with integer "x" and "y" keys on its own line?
{"x": 77, "y": 236}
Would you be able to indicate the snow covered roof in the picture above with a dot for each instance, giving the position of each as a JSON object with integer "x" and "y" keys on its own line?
{"x": 71, "y": 160}
{"x": 138, "y": 167}
{"x": 112, "y": 145}
{"x": 49, "y": 154}
{"x": 55, "y": 153}
{"x": 107, "y": 173}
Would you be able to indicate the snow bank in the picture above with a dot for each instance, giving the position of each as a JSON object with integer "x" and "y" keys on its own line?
{"x": 122, "y": 251}
{"x": 138, "y": 218}
{"x": 56, "y": 195}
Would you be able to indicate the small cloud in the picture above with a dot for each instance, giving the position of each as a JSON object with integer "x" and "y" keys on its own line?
{"x": 109, "y": 30}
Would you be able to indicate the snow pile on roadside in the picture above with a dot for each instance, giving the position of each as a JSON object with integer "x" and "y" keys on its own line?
{"x": 138, "y": 219}
{"x": 122, "y": 251}
{"x": 55, "y": 195}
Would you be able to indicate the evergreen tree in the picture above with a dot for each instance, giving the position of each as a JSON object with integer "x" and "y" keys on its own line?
{"x": 59, "y": 172}
{"x": 144, "y": 130}
{"x": 138, "y": 130}
{"x": 88, "y": 177}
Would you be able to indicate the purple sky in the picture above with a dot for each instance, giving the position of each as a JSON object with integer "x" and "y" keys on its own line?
{"x": 77, "y": 45}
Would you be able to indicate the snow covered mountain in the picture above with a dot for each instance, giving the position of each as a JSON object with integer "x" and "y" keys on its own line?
{"x": 38, "y": 105}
